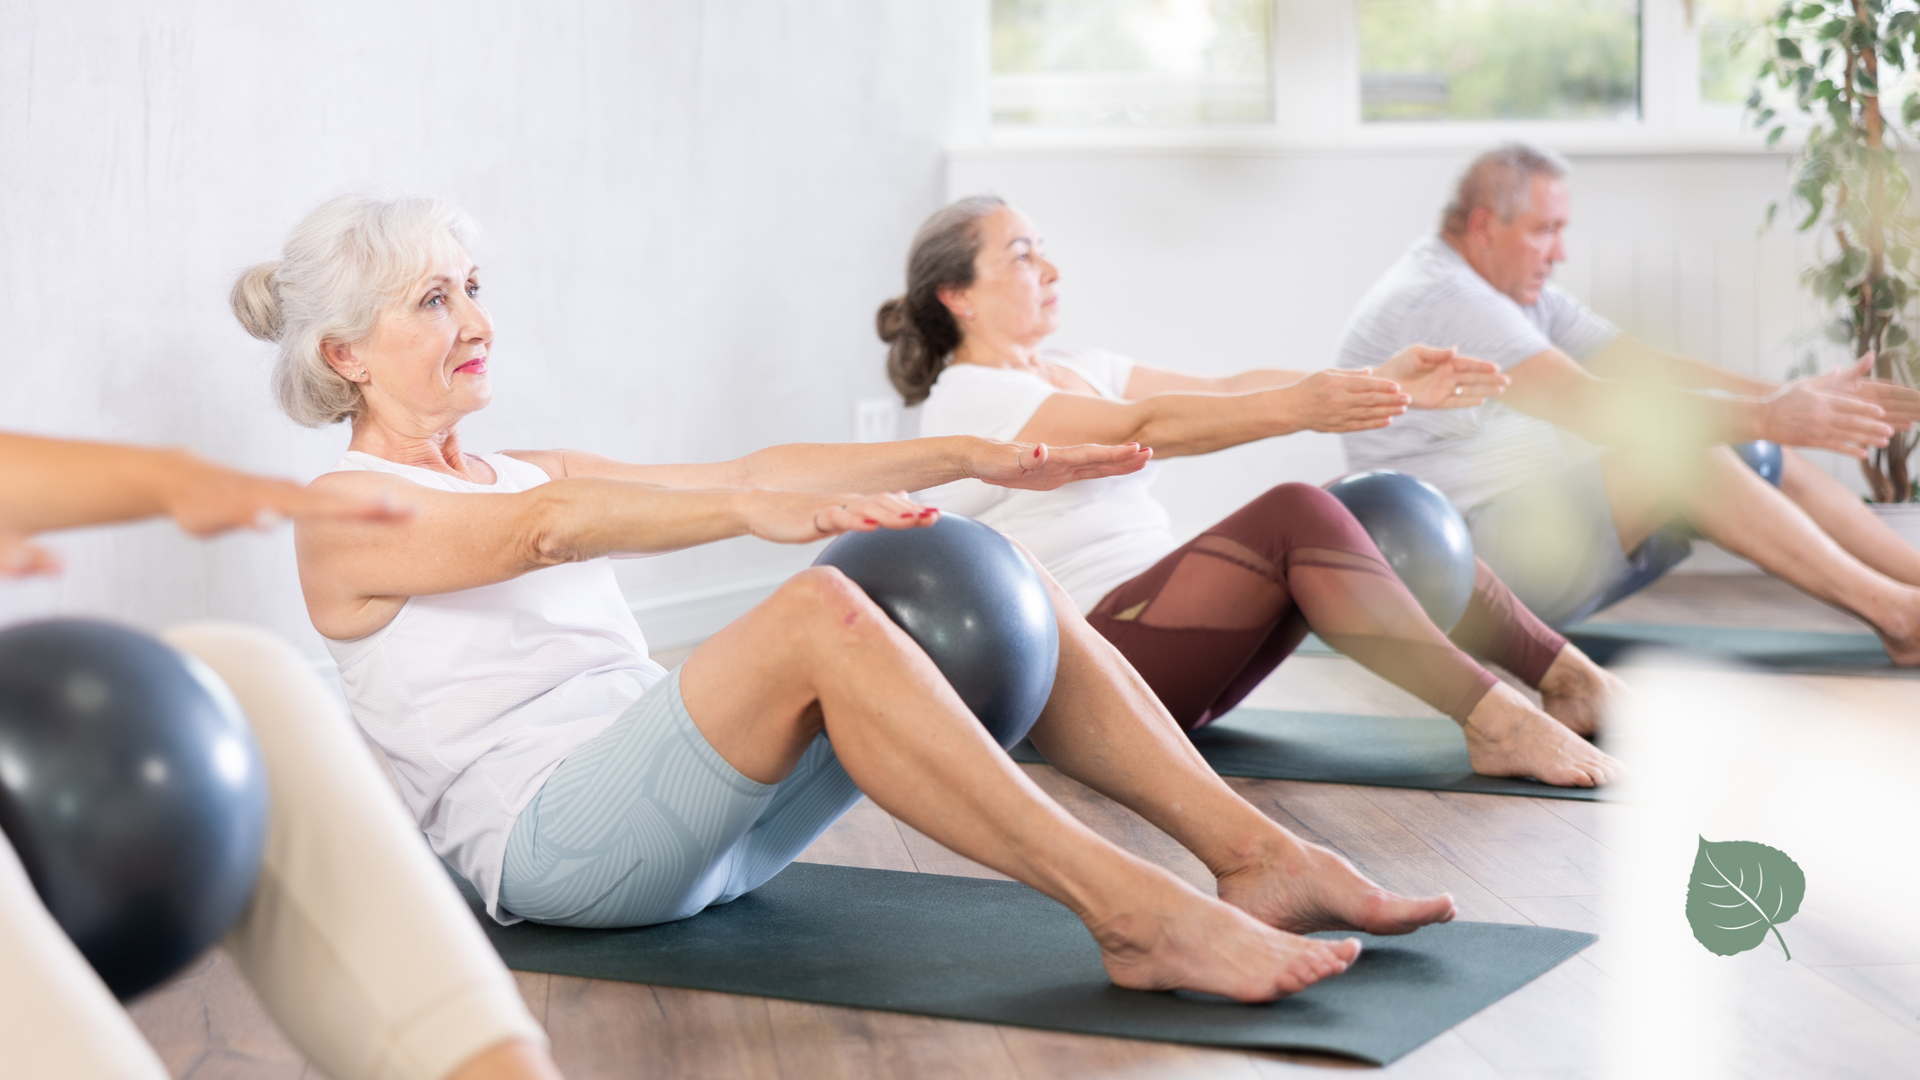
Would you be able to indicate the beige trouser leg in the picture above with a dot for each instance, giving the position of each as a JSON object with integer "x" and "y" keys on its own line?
{"x": 56, "y": 1017}
{"x": 356, "y": 939}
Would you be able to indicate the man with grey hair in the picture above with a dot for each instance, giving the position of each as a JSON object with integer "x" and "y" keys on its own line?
{"x": 1573, "y": 525}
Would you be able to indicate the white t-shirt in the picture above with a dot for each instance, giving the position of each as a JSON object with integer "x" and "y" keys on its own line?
{"x": 1432, "y": 297}
{"x": 476, "y": 696}
{"x": 1091, "y": 535}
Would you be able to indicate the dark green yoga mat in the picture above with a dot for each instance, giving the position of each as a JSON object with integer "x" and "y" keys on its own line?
{"x": 1336, "y": 748}
{"x": 1000, "y": 953}
{"x": 1796, "y": 651}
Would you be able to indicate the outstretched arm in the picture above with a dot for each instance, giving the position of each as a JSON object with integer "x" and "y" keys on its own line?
{"x": 907, "y": 465}
{"x": 1176, "y": 425}
{"x": 356, "y": 576}
{"x": 1432, "y": 378}
{"x": 48, "y": 484}
{"x": 1658, "y": 418}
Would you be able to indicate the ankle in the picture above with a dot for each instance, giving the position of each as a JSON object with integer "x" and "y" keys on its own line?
{"x": 1572, "y": 674}
{"x": 1264, "y": 849}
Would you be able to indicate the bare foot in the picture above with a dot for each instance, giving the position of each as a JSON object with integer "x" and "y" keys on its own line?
{"x": 1308, "y": 888}
{"x": 1576, "y": 691}
{"x": 1901, "y": 636}
{"x": 1506, "y": 736}
{"x": 1172, "y": 937}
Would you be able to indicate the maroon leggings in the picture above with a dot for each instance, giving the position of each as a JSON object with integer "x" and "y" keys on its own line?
{"x": 1205, "y": 624}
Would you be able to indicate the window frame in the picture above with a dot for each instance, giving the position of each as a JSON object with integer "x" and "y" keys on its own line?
{"x": 1316, "y": 46}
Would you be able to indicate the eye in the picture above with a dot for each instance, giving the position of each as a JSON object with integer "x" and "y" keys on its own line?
{"x": 473, "y": 289}
{"x": 436, "y": 299}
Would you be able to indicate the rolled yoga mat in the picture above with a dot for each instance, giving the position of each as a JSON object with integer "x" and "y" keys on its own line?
{"x": 999, "y": 953}
{"x": 1428, "y": 753}
{"x": 1796, "y": 651}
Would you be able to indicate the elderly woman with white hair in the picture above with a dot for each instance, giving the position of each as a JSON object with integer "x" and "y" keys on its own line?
{"x": 485, "y": 646}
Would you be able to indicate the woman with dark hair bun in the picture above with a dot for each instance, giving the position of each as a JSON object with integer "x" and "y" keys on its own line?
{"x": 1206, "y": 621}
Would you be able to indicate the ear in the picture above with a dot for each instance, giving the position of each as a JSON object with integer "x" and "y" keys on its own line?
{"x": 956, "y": 301}
{"x": 1480, "y": 223}
{"x": 340, "y": 358}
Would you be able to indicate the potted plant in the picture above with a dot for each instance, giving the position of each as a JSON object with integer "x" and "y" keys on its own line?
{"x": 1830, "y": 62}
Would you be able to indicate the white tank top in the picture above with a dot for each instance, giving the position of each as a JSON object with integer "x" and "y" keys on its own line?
{"x": 476, "y": 696}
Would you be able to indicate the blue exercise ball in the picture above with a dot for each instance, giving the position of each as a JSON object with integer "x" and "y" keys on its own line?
{"x": 1762, "y": 457}
{"x": 133, "y": 791}
{"x": 968, "y": 597}
{"x": 1423, "y": 537}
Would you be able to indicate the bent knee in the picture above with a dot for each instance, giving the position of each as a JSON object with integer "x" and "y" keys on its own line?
{"x": 1296, "y": 505}
{"x": 826, "y": 595}
{"x": 232, "y": 649}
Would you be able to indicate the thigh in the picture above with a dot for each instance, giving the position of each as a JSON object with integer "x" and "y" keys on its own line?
{"x": 635, "y": 827}
{"x": 56, "y": 1017}
{"x": 1553, "y": 541}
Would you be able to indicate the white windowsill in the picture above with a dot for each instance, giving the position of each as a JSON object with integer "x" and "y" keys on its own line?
{"x": 1599, "y": 137}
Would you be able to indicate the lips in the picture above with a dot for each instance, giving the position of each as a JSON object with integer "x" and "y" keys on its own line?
{"x": 475, "y": 366}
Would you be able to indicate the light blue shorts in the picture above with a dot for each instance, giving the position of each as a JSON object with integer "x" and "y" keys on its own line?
{"x": 1553, "y": 541}
{"x": 647, "y": 823}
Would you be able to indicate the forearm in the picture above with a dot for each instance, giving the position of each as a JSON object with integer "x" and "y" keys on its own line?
{"x": 1628, "y": 360}
{"x": 1259, "y": 379}
{"x": 1637, "y": 416}
{"x": 1179, "y": 425}
{"x": 863, "y": 468}
{"x": 578, "y": 519}
{"x": 59, "y": 484}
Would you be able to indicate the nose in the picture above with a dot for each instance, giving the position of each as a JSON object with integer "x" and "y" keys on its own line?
{"x": 1049, "y": 273}
{"x": 1558, "y": 253}
{"x": 475, "y": 323}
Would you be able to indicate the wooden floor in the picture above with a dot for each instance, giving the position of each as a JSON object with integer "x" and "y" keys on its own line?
{"x": 1504, "y": 859}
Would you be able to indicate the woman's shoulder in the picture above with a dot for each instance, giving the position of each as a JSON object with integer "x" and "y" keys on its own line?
{"x": 970, "y": 399}
{"x": 1106, "y": 371}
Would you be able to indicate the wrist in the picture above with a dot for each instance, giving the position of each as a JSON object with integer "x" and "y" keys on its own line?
{"x": 966, "y": 456}
{"x": 167, "y": 474}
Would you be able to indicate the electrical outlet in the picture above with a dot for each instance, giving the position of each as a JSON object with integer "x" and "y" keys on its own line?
{"x": 875, "y": 420}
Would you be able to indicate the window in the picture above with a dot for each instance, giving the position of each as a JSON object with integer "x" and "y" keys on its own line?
{"x": 1500, "y": 59}
{"x": 1132, "y": 62}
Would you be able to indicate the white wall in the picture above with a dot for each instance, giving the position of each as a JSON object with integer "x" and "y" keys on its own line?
{"x": 1215, "y": 261}
{"x": 691, "y": 211}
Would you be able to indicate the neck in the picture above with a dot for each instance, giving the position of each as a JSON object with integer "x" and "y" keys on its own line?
{"x": 435, "y": 450}
{"x": 988, "y": 351}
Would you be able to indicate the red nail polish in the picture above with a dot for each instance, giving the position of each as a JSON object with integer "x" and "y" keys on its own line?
{"x": 870, "y": 521}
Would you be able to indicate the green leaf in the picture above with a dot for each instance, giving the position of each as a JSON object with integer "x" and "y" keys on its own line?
{"x": 1897, "y": 335}
{"x": 1811, "y": 11}
{"x": 1740, "y": 890}
{"x": 1787, "y": 49}
{"x": 1910, "y": 109}
{"x": 1774, "y": 137}
{"x": 1840, "y": 331}
{"x": 1833, "y": 29}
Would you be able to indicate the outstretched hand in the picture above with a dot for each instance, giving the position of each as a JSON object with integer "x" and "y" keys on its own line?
{"x": 792, "y": 517}
{"x": 1337, "y": 401}
{"x": 1900, "y": 405}
{"x": 20, "y": 557}
{"x": 1442, "y": 378}
{"x": 1039, "y": 467}
{"x": 1829, "y": 412}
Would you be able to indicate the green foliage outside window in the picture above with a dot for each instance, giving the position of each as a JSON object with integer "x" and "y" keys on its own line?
{"x": 1132, "y": 61}
{"x": 1733, "y": 45}
{"x": 1499, "y": 59}
{"x": 1838, "y": 66}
